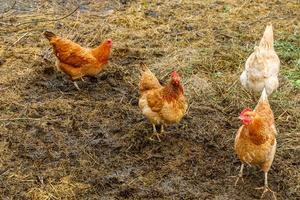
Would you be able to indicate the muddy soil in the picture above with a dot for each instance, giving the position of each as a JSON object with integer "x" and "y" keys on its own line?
{"x": 60, "y": 143}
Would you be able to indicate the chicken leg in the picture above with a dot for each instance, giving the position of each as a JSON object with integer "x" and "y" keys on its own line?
{"x": 239, "y": 176}
{"x": 75, "y": 84}
{"x": 266, "y": 187}
{"x": 155, "y": 133}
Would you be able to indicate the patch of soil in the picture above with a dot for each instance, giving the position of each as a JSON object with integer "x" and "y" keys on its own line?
{"x": 60, "y": 143}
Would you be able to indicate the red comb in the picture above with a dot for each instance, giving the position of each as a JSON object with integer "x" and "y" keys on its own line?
{"x": 109, "y": 41}
{"x": 174, "y": 74}
{"x": 246, "y": 110}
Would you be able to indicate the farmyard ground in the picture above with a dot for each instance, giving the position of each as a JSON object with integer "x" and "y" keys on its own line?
{"x": 60, "y": 143}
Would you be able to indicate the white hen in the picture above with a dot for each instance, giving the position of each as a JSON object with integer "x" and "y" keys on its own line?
{"x": 262, "y": 66}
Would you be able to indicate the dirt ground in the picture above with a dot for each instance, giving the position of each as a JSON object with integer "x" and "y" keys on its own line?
{"x": 60, "y": 143}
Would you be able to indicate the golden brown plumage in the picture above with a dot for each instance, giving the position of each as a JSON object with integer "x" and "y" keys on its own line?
{"x": 77, "y": 61}
{"x": 255, "y": 142}
{"x": 161, "y": 104}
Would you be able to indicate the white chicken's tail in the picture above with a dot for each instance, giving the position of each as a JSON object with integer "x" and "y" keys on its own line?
{"x": 263, "y": 98}
{"x": 267, "y": 40}
{"x": 264, "y": 95}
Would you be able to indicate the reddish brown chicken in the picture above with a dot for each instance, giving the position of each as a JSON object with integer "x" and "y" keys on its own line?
{"x": 77, "y": 61}
{"x": 255, "y": 142}
{"x": 162, "y": 105}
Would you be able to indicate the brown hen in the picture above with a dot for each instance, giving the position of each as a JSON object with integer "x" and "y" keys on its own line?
{"x": 77, "y": 61}
{"x": 162, "y": 105}
{"x": 255, "y": 142}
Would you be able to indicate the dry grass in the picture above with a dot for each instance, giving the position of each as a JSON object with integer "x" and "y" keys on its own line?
{"x": 58, "y": 143}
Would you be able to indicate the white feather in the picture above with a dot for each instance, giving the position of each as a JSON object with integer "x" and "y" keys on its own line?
{"x": 264, "y": 95}
{"x": 262, "y": 66}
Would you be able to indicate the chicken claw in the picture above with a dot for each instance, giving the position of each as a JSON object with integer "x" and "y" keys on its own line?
{"x": 162, "y": 129}
{"x": 75, "y": 84}
{"x": 155, "y": 133}
{"x": 239, "y": 176}
{"x": 237, "y": 180}
{"x": 266, "y": 189}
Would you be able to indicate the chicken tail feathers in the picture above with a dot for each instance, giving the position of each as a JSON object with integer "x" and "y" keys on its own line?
{"x": 267, "y": 40}
{"x": 264, "y": 95}
{"x": 263, "y": 99}
{"x": 148, "y": 80}
{"x": 143, "y": 68}
{"x": 49, "y": 35}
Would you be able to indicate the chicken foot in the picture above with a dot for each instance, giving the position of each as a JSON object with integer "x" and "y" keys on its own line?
{"x": 266, "y": 188}
{"x": 156, "y": 134}
{"x": 239, "y": 176}
{"x": 75, "y": 84}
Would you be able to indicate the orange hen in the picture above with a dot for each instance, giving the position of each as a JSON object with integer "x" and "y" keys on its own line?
{"x": 162, "y": 105}
{"x": 77, "y": 61}
{"x": 255, "y": 142}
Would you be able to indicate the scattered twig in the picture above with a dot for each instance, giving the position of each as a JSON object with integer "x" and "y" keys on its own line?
{"x": 189, "y": 107}
{"x": 259, "y": 19}
{"x": 226, "y": 35}
{"x": 236, "y": 11}
{"x": 20, "y": 118}
{"x": 5, "y": 23}
{"x": 232, "y": 85}
{"x": 119, "y": 90}
{"x": 27, "y": 118}
{"x": 3, "y": 171}
{"x": 3, "y": 88}
{"x": 73, "y": 27}
{"x": 50, "y": 20}
{"x": 20, "y": 38}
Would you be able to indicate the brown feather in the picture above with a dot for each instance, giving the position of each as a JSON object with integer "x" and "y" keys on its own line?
{"x": 77, "y": 61}
{"x": 161, "y": 105}
{"x": 255, "y": 142}
{"x": 171, "y": 92}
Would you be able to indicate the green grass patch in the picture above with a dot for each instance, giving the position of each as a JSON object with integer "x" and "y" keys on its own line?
{"x": 289, "y": 50}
